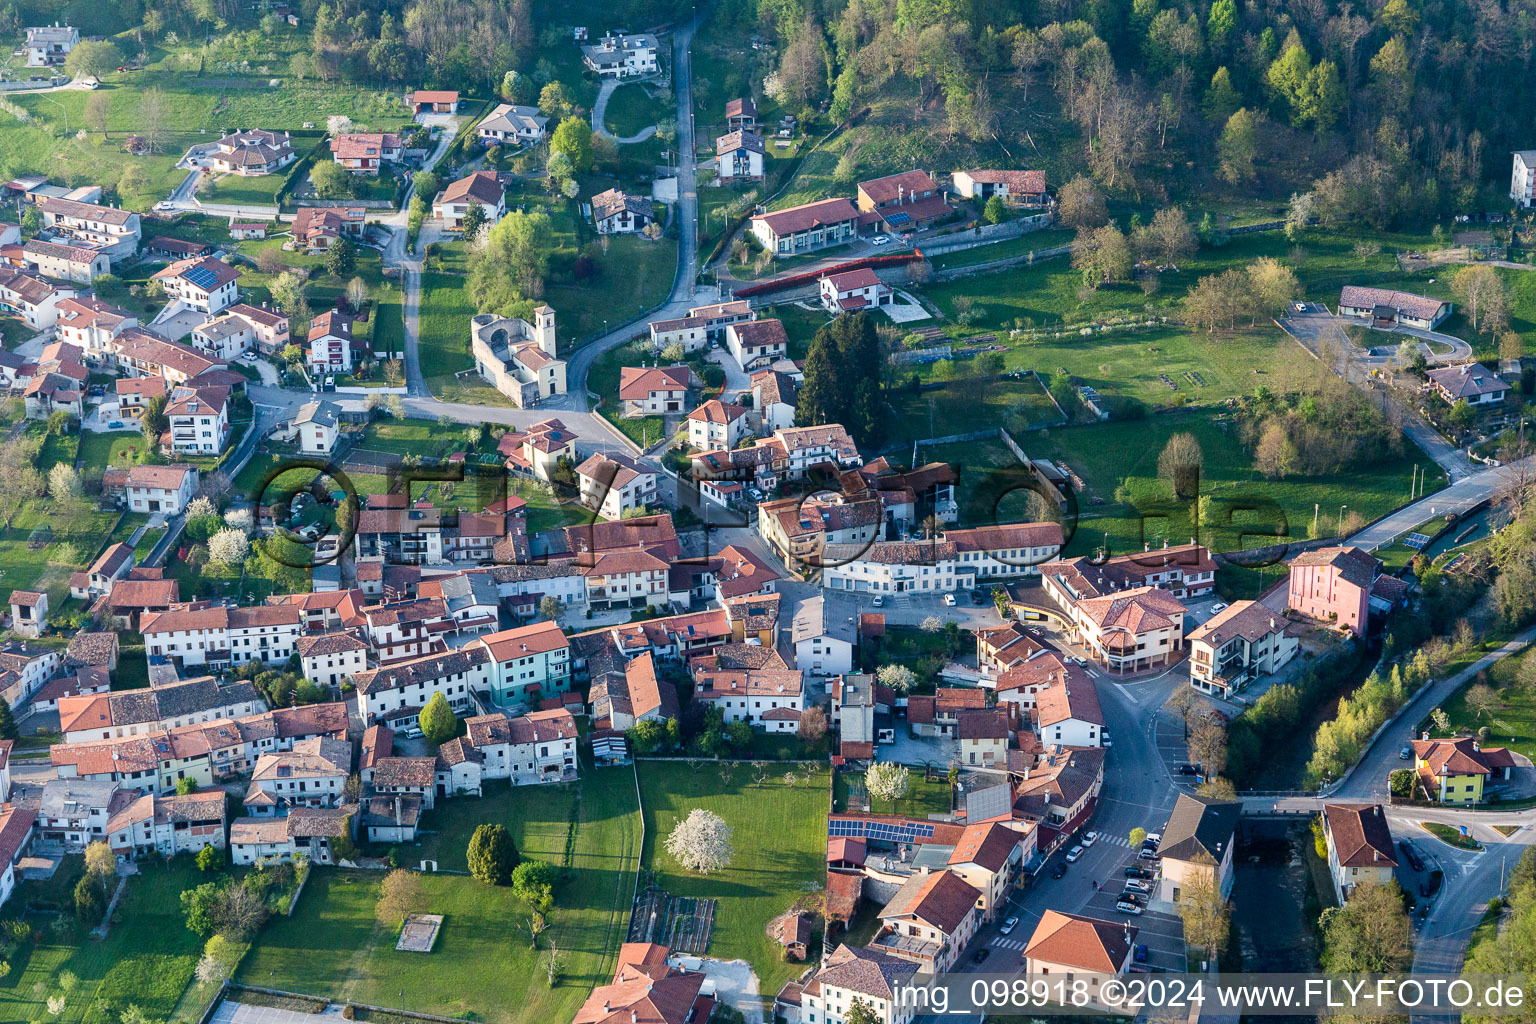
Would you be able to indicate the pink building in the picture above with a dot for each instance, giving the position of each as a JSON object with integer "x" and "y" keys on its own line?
{"x": 1333, "y": 585}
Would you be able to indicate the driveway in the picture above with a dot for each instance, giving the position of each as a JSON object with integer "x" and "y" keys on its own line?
{"x": 600, "y": 108}
{"x": 735, "y": 983}
{"x": 244, "y": 1013}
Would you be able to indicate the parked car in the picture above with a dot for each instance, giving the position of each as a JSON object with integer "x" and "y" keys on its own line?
{"x": 1189, "y": 769}
{"x": 1141, "y": 953}
{"x": 1127, "y": 907}
{"x": 1009, "y": 925}
{"x": 115, "y": 425}
{"x": 978, "y": 598}
{"x": 1089, "y": 838}
{"x": 1135, "y": 872}
{"x": 1131, "y": 896}
{"x": 1137, "y": 885}
{"x": 949, "y": 600}
{"x": 1155, "y": 838}
{"x": 1074, "y": 853}
{"x": 1147, "y": 853}
{"x": 880, "y": 240}
{"x": 1412, "y": 853}
{"x": 1061, "y": 869}
{"x": 980, "y": 956}
{"x": 1406, "y": 752}
{"x": 879, "y": 601}
{"x": 1219, "y": 606}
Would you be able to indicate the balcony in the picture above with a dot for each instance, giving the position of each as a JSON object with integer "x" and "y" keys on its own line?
{"x": 908, "y": 947}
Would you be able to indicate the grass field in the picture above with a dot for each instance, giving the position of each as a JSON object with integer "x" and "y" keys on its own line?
{"x": 634, "y": 275}
{"x": 236, "y": 190}
{"x": 72, "y": 546}
{"x": 1034, "y": 241}
{"x": 779, "y": 837}
{"x": 603, "y": 379}
{"x": 923, "y": 797}
{"x": 1111, "y": 454}
{"x": 147, "y": 957}
{"x": 482, "y": 966}
{"x": 99, "y": 451}
{"x": 630, "y": 110}
{"x": 1513, "y": 724}
{"x": 1017, "y": 405}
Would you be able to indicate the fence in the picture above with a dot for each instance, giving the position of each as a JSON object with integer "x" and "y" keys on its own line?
{"x": 983, "y": 234}
{"x": 810, "y": 277}
{"x": 951, "y": 273}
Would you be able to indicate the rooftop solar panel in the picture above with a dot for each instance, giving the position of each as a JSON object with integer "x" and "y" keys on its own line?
{"x": 201, "y": 277}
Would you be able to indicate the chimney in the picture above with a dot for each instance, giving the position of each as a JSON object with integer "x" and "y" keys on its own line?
{"x": 1425, "y": 736}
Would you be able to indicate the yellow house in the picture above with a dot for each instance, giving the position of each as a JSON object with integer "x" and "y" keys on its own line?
{"x": 1458, "y": 771}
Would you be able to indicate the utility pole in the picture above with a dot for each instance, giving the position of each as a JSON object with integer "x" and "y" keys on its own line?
{"x": 1314, "y": 518}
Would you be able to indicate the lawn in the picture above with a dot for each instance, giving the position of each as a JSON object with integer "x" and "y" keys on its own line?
{"x": 779, "y": 838}
{"x": 244, "y": 191}
{"x": 1450, "y": 835}
{"x": 977, "y": 464}
{"x": 482, "y": 966}
{"x": 147, "y": 957}
{"x": 1513, "y": 723}
{"x": 100, "y": 451}
{"x": 72, "y": 546}
{"x": 923, "y": 797}
{"x": 1110, "y": 455}
{"x": 634, "y": 275}
{"x": 603, "y": 380}
{"x": 630, "y": 110}
{"x": 1017, "y": 405}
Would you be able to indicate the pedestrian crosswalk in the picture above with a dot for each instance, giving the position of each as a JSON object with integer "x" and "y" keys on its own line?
{"x": 1109, "y": 840}
{"x": 1008, "y": 943}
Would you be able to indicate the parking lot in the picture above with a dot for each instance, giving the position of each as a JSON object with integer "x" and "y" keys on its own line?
{"x": 1415, "y": 881}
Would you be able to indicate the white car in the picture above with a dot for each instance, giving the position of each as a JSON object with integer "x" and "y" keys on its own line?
{"x": 1219, "y": 606}
{"x": 1089, "y": 838}
{"x": 949, "y": 599}
{"x": 1137, "y": 885}
{"x": 879, "y": 601}
{"x": 1154, "y": 838}
{"x": 165, "y": 204}
{"x": 1009, "y": 925}
{"x": 1074, "y": 853}
{"x": 881, "y": 240}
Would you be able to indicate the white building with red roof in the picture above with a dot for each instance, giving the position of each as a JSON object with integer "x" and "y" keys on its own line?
{"x": 854, "y": 291}
{"x": 613, "y": 484}
{"x": 1069, "y": 946}
{"x": 518, "y": 358}
{"x": 366, "y": 153}
{"x": 903, "y": 202}
{"x": 316, "y": 227}
{"x": 717, "y": 424}
{"x": 807, "y": 227}
{"x": 654, "y": 390}
{"x": 163, "y": 489}
{"x": 479, "y": 188}
{"x": 1016, "y": 188}
{"x": 538, "y": 449}
{"x": 206, "y": 283}
{"x": 1130, "y": 630}
{"x": 527, "y": 664}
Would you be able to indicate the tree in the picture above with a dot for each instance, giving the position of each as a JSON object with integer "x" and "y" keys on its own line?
{"x": 898, "y": 677}
{"x": 1168, "y": 240}
{"x": 1483, "y": 297}
{"x": 438, "y": 722}
{"x": 701, "y": 842}
{"x": 996, "y": 211}
{"x": 1275, "y": 456}
{"x": 843, "y": 382}
{"x": 210, "y": 858}
{"x": 92, "y": 58}
{"x": 1238, "y": 147}
{"x": 1217, "y": 788}
{"x": 399, "y": 894}
{"x": 1511, "y": 346}
{"x": 508, "y": 264}
{"x": 549, "y": 608}
{"x": 1185, "y": 703}
{"x": 229, "y": 547}
{"x": 813, "y": 725}
{"x": 198, "y": 904}
{"x": 572, "y": 139}
{"x": 240, "y": 909}
{"x": 1208, "y": 746}
{"x": 152, "y": 115}
{"x": 860, "y": 1012}
{"x": 1179, "y": 465}
{"x": 90, "y": 899}
{"x": 1271, "y": 286}
{"x": 100, "y": 860}
{"x": 97, "y": 108}
{"x": 1137, "y": 837}
{"x": 1370, "y": 934}
{"x": 340, "y": 258}
{"x": 474, "y": 219}
{"x": 331, "y": 180}
{"x": 1482, "y": 699}
{"x": 555, "y": 101}
{"x": 533, "y": 882}
{"x": 8, "y": 730}
{"x": 1079, "y": 204}
{"x": 1103, "y": 255}
{"x": 492, "y": 855}
{"x": 186, "y": 787}
{"x": 1462, "y": 415}
{"x": 1207, "y": 919}
{"x": 887, "y": 780}
{"x": 426, "y": 184}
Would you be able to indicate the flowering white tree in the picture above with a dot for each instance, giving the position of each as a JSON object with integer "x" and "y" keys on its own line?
{"x": 341, "y": 124}
{"x": 239, "y": 519}
{"x": 198, "y": 508}
{"x": 228, "y": 547}
{"x": 887, "y": 780}
{"x": 701, "y": 842}
{"x": 897, "y": 677}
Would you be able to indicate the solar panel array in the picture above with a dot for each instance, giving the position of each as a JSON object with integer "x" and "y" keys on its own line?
{"x": 880, "y": 831}
{"x": 1416, "y": 541}
{"x": 201, "y": 277}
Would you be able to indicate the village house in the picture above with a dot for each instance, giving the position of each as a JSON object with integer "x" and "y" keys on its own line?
{"x": 1079, "y": 949}
{"x": 622, "y": 700}
{"x": 366, "y": 153}
{"x": 806, "y": 227}
{"x": 49, "y": 45}
{"x": 331, "y": 659}
{"x": 252, "y": 152}
{"x": 517, "y": 358}
{"x": 774, "y": 396}
{"x": 17, "y": 827}
{"x": 110, "y": 566}
{"x": 434, "y": 101}
{"x": 72, "y": 813}
{"x": 165, "y": 489}
{"x": 1186, "y": 571}
{"x": 29, "y": 613}
{"x": 1360, "y": 847}
{"x": 199, "y": 419}
{"x": 65, "y": 262}
{"x": 1385, "y": 306}
{"x": 1067, "y": 712}
{"x": 527, "y": 664}
{"x": 168, "y": 824}
{"x": 613, "y": 484}
{"x": 223, "y": 635}
{"x": 318, "y": 427}
{"x": 702, "y": 325}
{"x": 1460, "y": 770}
{"x": 1198, "y": 840}
{"x": 854, "y": 291}
{"x": 1341, "y": 586}
{"x": 616, "y": 212}
{"x": 24, "y": 669}
{"x": 869, "y": 975}
{"x": 990, "y": 855}
{"x": 109, "y": 229}
{"x": 510, "y": 123}
{"x": 818, "y": 531}
{"x": 755, "y": 342}
{"x": 954, "y": 560}
{"x": 48, "y": 393}
{"x": 239, "y": 329}
{"x": 530, "y": 749}
{"x": 646, "y": 987}
{"x": 330, "y": 343}
{"x": 903, "y": 202}
{"x": 824, "y": 633}
{"x": 316, "y": 227}
{"x": 1522, "y": 186}
{"x": 95, "y": 717}
{"x": 741, "y": 113}
{"x": 739, "y": 156}
{"x": 396, "y": 693}
{"x": 717, "y": 424}
{"x": 620, "y": 55}
{"x": 246, "y": 230}
{"x": 206, "y": 284}
{"x": 1130, "y": 630}
{"x": 654, "y": 390}
{"x": 312, "y": 774}
{"x": 479, "y": 188}
{"x": 770, "y": 698}
{"x": 1472, "y": 383}
{"x": 134, "y": 393}
{"x": 1244, "y": 641}
{"x": 140, "y": 353}
{"x": 1016, "y": 188}
{"x": 308, "y": 831}
{"x": 930, "y": 920}
{"x": 36, "y": 301}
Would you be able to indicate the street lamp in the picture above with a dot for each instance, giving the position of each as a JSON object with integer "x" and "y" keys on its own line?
{"x": 1341, "y": 520}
